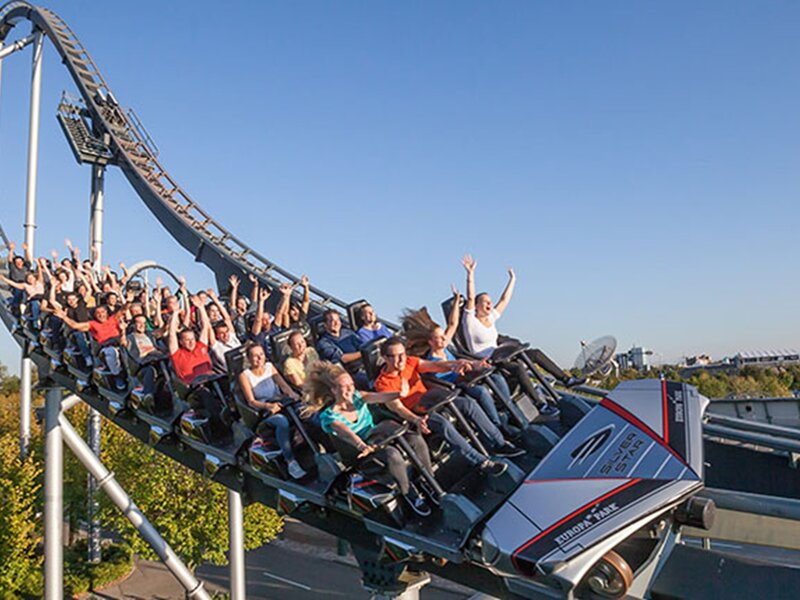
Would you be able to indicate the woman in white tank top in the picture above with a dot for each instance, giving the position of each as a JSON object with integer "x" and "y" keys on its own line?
{"x": 481, "y": 334}
{"x": 262, "y": 386}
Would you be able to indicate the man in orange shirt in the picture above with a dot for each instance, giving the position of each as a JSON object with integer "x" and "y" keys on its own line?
{"x": 401, "y": 373}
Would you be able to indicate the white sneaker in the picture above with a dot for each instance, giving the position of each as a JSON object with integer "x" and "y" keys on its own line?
{"x": 295, "y": 470}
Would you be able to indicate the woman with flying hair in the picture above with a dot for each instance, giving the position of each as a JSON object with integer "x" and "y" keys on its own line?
{"x": 428, "y": 340}
{"x": 344, "y": 414}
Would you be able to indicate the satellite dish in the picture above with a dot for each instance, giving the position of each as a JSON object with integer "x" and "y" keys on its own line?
{"x": 597, "y": 356}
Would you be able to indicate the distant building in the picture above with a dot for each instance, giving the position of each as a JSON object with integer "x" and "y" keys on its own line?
{"x": 635, "y": 358}
{"x": 699, "y": 360}
{"x": 767, "y": 358}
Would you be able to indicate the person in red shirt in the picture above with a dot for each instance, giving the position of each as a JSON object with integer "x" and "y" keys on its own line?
{"x": 104, "y": 329}
{"x": 401, "y": 373}
{"x": 190, "y": 361}
{"x": 189, "y": 354}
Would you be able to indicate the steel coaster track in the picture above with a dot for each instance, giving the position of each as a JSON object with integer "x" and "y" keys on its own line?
{"x": 191, "y": 226}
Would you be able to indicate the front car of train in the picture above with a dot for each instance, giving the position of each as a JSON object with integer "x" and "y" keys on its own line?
{"x": 598, "y": 516}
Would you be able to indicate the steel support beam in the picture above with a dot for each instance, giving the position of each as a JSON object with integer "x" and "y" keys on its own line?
{"x": 96, "y": 201}
{"x": 96, "y": 217}
{"x": 107, "y": 483}
{"x": 30, "y": 225}
{"x": 53, "y": 497}
{"x": 33, "y": 141}
{"x": 25, "y": 392}
{"x": 14, "y": 46}
{"x": 93, "y": 508}
{"x": 236, "y": 545}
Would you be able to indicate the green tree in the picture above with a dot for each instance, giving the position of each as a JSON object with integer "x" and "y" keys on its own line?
{"x": 187, "y": 509}
{"x": 20, "y": 565}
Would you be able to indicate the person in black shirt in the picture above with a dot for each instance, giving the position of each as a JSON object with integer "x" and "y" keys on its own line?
{"x": 18, "y": 267}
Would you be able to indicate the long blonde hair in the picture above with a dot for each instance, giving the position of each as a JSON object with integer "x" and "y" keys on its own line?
{"x": 320, "y": 383}
{"x": 417, "y": 328}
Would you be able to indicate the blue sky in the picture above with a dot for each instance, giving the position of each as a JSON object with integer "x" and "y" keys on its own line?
{"x": 636, "y": 162}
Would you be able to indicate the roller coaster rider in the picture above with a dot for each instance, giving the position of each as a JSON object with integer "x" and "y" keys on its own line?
{"x": 344, "y": 414}
{"x": 341, "y": 345}
{"x": 371, "y": 328}
{"x": 104, "y": 329}
{"x": 297, "y": 364}
{"x": 426, "y": 339}
{"x": 142, "y": 348}
{"x": 291, "y": 314}
{"x": 483, "y": 339}
{"x": 192, "y": 364}
{"x": 18, "y": 267}
{"x": 401, "y": 373}
{"x": 262, "y": 388}
{"x": 263, "y": 324}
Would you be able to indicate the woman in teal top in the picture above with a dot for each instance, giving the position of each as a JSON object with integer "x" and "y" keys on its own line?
{"x": 347, "y": 417}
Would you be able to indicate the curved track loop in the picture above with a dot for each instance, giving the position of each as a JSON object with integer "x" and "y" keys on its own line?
{"x": 182, "y": 217}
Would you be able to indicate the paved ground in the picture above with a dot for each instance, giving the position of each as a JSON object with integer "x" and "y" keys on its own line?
{"x": 301, "y": 566}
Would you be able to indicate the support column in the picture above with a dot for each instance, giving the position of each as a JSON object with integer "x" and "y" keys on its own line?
{"x": 93, "y": 508}
{"x": 30, "y": 226}
{"x": 96, "y": 201}
{"x": 96, "y": 217}
{"x": 25, "y": 387}
{"x": 236, "y": 545}
{"x": 33, "y": 141}
{"x": 107, "y": 483}
{"x": 53, "y": 497}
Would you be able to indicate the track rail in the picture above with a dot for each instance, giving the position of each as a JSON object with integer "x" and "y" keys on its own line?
{"x": 186, "y": 221}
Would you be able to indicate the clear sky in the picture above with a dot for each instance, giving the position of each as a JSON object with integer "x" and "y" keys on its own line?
{"x": 636, "y": 162}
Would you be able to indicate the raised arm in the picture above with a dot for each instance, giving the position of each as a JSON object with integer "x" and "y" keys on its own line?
{"x": 454, "y": 318}
{"x": 125, "y": 274}
{"x": 74, "y": 253}
{"x": 28, "y": 253}
{"x": 159, "y": 320}
{"x": 254, "y": 289}
{"x": 206, "y": 333}
{"x": 51, "y": 297}
{"x": 183, "y": 295}
{"x": 234, "y": 296}
{"x": 282, "y": 318}
{"x": 306, "y": 305}
{"x": 507, "y": 293}
{"x": 263, "y": 295}
{"x": 226, "y": 316}
{"x": 172, "y": 334}
{"x": 469, "y": 265}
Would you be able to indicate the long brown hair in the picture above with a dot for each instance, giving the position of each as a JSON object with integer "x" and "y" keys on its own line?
{"x": 319, "y": 384}
{"x": 417, "y": 328}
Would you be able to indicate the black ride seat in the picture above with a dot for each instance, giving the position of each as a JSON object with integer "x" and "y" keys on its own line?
{"x": 354, "y": 314}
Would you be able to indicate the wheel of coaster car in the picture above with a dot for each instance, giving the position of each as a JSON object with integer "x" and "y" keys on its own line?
{"x": 611, "y": 577}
